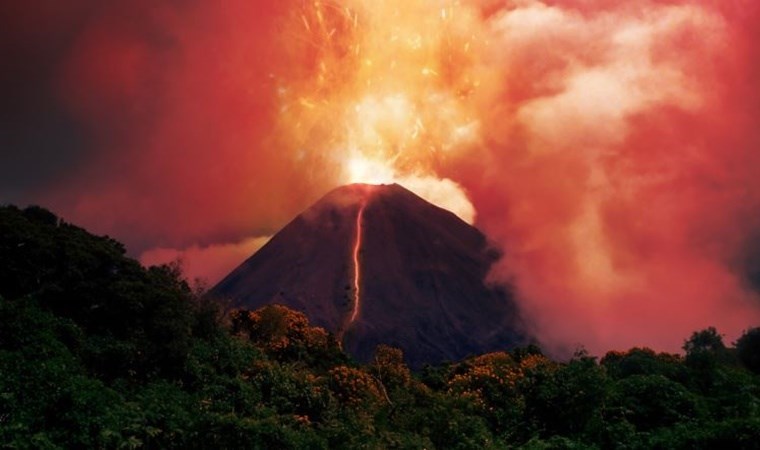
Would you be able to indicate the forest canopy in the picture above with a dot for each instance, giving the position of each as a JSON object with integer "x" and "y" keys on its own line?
{"x": 97, "y": 351}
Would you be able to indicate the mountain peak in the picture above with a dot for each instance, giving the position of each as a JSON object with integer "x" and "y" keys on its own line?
{"x": 357, "y": 193}
{"x": 378, "y": 264}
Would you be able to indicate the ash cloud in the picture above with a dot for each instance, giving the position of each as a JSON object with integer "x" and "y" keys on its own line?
{"x": 624, "y": 147}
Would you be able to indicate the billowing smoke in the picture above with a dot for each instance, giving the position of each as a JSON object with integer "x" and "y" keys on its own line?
{"x": 609, "y": 148}
{"x": 617, "y": 168}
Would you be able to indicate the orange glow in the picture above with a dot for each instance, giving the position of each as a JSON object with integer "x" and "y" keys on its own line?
{"x": 388, "y": 92}
{"x": 547, "y": 116}
{"x": 357, "y": 265}
{"x": 609, "y": 148}
{"x": 395, "y": 78}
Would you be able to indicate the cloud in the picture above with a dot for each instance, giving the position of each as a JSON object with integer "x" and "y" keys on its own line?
{"x": 209, "y": 264}
{"x": 613, "y": 180}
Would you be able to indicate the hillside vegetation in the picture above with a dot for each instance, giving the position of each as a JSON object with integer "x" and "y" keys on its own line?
{"x": 98, "y": 352}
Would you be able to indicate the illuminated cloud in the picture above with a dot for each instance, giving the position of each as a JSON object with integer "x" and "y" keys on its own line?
{"x": 207, "y": 265}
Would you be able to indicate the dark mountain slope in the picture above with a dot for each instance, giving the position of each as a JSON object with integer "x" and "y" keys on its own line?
{"x": 421, "y": 277}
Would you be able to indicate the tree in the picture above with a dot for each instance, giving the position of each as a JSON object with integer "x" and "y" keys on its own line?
{"x": 563, "y": 399}
{"x": 707, "y": 340}
{"x": 652, "y": 401}
{"x": 285, "y": 335}
{"x": 389, "y": 368}
{"x": 644, "y": 361}
{"x": 748, "y": 349}
{"x": 704, "y": 350}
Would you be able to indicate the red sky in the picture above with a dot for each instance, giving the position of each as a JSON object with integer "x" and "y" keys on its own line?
{"x": 608, "y": 147}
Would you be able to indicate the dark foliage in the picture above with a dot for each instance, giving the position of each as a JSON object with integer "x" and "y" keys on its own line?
{"x": 748, "y": 349}
{"x": 99, "y": 352}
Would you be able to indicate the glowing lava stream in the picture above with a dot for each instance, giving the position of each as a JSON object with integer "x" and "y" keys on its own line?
{"x": 357, "y": 265}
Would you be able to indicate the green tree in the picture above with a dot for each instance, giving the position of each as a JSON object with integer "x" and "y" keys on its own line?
{"x": 704, "y": 341}
{"x": 644, "y": 361}
{"x": 748, "y": 349}
{"x": 389, "y": 368}
{"x": 652, "y": 401}
{"x": 705, "y": 352}
{"x": 567, "y": 399}
{"x": 286, "y": 336}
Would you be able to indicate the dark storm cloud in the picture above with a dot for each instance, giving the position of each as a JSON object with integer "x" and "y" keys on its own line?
{"x": 44, "y": 144}
{"x": 40, "y": 142}
{"x": 146, "y": 120}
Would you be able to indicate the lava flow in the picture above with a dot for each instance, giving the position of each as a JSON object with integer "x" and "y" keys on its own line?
{"x": 357, "y": 265}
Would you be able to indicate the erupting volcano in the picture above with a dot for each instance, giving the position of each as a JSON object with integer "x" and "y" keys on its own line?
{"x": 377, "y": 264}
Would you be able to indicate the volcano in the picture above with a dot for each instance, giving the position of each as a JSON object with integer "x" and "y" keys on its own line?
{"x": 376, "y": 264}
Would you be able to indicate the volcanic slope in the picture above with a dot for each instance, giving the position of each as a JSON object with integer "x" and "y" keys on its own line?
{"x": 377, "y": 264}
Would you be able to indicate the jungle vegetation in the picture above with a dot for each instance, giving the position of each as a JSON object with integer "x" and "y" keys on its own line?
{"x": 97, "y": 351}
